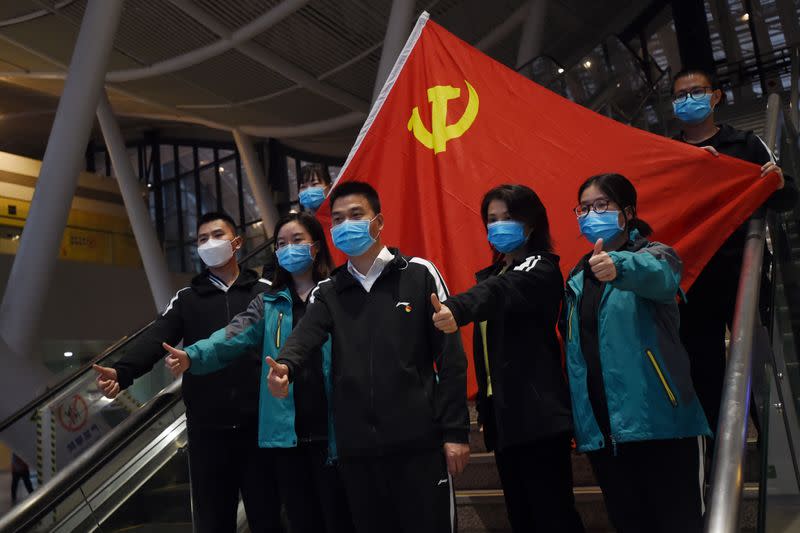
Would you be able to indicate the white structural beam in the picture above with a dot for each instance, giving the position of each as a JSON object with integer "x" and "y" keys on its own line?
{"x": 34, "y": 14}
{"x": 35, "y": 262}
{"x": 273, "y": 61}
{"x": 401, "y": 20}
{"x": 532, "y": 38}
{"x": 257, "y": 179}
{"x": 229, "y": 41}
{"x": 304, "y": 130}
{"x": 155, "y": 265}
{"x": 504, "y": 29}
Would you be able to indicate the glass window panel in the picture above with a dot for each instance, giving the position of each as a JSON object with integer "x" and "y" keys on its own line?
{"x": 173, "y": 258}
{"x": 225, "y": 153}
{"x": 250, "y": 206}
{"x": 230, "y": 189}
{"x": 189, "y": 205}
{"x": 186, "y": 159}
{"x": 208, "y": 189}
{"x": 334, "y": 172}
{"x": 167, "y": 161}
{"x": 193, "y": 262}
{"x": 206, "y": 156}
{"x": 171, "y": 213}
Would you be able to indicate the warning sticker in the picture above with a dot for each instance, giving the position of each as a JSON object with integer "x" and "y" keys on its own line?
{"x": 73, "y": 414}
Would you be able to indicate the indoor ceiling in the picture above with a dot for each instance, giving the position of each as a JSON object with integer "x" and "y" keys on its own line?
{"x": 301, "y": 71}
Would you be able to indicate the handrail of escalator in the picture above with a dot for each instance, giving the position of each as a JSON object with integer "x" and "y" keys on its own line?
{"x": 53, "y": 390}
{"x": 42, "y": 501}
{"x": 727, "y": 479}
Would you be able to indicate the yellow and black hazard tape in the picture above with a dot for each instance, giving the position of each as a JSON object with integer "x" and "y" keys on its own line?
{"x": 52, "y": 443}
{"x": 39, "y": 458}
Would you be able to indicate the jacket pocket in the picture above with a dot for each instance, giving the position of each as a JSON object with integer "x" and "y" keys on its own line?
{"x": 662, "y": 378}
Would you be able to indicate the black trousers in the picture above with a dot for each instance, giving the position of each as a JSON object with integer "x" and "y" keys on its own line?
{"x": 653, "y": 486}
{"x": 223, "y": 464}
{"x": 406, "y": 493}
{"x": 537, "y": 485}
{"x": 704, "y": 318}
{"x": 311, "y": 490}
{"x": 16, "y": 477}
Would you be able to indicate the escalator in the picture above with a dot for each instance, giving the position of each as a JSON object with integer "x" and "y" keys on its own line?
{"x": 108, "y": 465}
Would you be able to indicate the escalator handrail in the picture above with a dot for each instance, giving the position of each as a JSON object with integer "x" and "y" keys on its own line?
{"x": 53, "y": 390}
{"x": 42, "y": 501}
{"x": 727, "y": 481}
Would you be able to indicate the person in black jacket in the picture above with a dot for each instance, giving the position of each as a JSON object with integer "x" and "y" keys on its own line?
{"x": 221, "y": 408}
{"x": 297, "y": 427}
{"x": 523, "y": 401}
{"x": 709, "y": 304}
{"x": 401, "y": 425}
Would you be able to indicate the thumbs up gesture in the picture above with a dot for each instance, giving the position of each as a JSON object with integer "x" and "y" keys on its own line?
{"x": 442, "y": 317}
{"x": 278, "y": 379}
{"x": 601, "y": 263}
{"x": 107, "y": 381}
{"x": 177, "y": 361}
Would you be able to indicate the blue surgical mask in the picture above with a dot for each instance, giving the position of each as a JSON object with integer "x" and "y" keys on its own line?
{"x": 295, "y": 258}
{"x": 312, "y": 197}
{"x": 693, "y": 111}
{"x": 600, "y": 226}
{"x": 506, "y": 235}
{"x": 352, "y": 237}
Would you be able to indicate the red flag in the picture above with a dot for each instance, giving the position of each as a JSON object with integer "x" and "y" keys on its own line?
{"x": 451, "y": 123}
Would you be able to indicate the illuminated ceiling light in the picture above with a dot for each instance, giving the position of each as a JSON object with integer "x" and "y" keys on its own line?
{"x": 560, "y": 70}
{"x": 221, "y": 169}
{"x": 68, "y": 354}
{"x": 587, "y": 64}
{"x": 745, "y": 17}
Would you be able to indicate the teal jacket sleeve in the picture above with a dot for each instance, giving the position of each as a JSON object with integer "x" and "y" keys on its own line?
{"x": 654, "y": 272}
{"x": 243, "y": 335}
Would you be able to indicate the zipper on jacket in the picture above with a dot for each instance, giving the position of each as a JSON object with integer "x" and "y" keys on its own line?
{"x": 278, "y": 332}
{"x": 569, "y": 321}
{"x": 670, "y": 395}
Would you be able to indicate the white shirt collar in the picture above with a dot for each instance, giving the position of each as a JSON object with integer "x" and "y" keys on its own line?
{"x": 367, "y": 281}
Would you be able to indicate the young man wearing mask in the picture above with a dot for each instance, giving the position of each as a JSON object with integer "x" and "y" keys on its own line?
{"x": 399, "y": 384}
{"x": 710, "y": 302}
{"x": 221, "y": 408}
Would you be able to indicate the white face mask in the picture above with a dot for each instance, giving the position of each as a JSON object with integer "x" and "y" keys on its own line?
{"x": 215, "y": 252}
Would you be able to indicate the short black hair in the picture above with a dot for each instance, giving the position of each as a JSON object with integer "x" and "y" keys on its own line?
{"x": 713, "y": 81}
{"x": 307, "y": 173}
{"x": 360, "y": 188}
{"x": 621, "y": 191}
{"x": 217, "y": 215}
{"x": 525, "y": 206}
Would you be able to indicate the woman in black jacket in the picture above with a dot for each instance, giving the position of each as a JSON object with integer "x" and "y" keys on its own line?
{"x": 523, "y": 399}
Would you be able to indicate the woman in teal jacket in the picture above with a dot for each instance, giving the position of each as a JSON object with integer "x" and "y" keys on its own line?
{"x": 634, "y": 407}
{"x": 299, "y": 427}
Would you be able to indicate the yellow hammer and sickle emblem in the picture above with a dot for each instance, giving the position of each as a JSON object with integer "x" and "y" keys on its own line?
{"x": 441, "y": 132}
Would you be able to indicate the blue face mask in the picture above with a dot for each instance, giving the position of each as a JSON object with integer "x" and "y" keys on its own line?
{"x": 600, "y": 226}
{"x": 295, "y": 257}
{"x": 693, "y": 111}
{"x": 352, "y": 237}
{"x": 312, "y": 197}
{"x": 506, "y": 235}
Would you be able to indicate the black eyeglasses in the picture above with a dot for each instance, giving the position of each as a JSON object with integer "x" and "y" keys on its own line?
{"x": 695, "y": 93}
{"x": 598, "y": 206}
